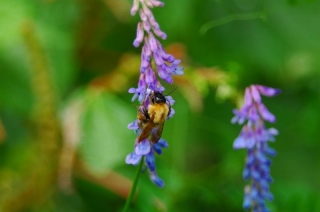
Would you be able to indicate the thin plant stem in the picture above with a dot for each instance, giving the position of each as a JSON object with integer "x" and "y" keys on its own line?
{"x": 230, "y": 18}
{"x": 134, "y": 186}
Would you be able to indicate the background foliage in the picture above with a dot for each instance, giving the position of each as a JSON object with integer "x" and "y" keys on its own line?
{"x": 66, "y": 66}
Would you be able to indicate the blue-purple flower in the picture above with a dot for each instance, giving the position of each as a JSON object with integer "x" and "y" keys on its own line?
{"x": 147, "y": 149}
{"x": 155, "y": 63}
{"x": 254, "y": 136}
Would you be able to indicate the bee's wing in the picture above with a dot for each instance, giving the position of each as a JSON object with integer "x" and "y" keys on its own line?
{"x": 146, "y": 130}
{"x": 156, "y": 133}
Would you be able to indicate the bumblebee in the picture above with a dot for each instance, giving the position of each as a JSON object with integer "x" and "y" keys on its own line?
{"x": 152, "y": 118}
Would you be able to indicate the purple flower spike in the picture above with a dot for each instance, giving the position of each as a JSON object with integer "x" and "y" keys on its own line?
{"x": 147, "y": 30}
{"x": 155, "y": 64}
{"x": 254, "y": 137}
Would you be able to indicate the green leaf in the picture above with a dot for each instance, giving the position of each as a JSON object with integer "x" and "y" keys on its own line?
{"x": 106, "y": 140}
{"x": 293, "y": 2}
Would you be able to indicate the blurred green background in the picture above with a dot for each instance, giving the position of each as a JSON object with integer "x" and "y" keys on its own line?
{"x": 66, "y": 66}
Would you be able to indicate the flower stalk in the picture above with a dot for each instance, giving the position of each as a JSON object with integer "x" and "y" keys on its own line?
{"x": 134, "y": 187}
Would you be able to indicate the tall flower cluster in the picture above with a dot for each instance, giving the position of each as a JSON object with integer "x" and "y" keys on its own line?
{"x": 254, "y": 137}
{"x": 155, "y": 63}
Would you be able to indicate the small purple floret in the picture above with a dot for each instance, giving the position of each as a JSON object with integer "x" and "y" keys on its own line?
{"x": 157, "y": 148}
{"x": 143, "y": 148}
{"x": 151, "y": 162}
{"x": 133, "y": 125}
{"x": 133, "y": 159}
{"x": 267, "y": 91}
{"x": 135, "y": 7}
{"x": 157, "y": 180}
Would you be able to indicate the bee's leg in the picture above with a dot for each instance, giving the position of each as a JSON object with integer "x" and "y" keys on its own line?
{"x": 145, "y": 112}
{"x": 143, "y": 116}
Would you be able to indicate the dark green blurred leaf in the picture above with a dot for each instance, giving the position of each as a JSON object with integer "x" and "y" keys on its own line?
{"x": 293, "y": 1}
{"x": 105, "y": 139}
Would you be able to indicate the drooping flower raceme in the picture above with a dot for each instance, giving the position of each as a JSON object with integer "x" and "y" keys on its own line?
{"x": 155, "y": 62}
{"x": 254, "y": 137}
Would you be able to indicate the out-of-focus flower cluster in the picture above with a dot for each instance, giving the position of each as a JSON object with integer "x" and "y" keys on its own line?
{"x": 254, "y": 137}
{"x": 154, "y": 62}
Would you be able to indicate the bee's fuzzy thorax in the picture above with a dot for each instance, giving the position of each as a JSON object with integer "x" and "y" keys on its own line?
{"x": 159, "y": 111}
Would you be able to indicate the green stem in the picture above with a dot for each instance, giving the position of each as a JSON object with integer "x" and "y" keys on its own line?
{"x": 134, "y": 186}
{"x": 230, "y": 18}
